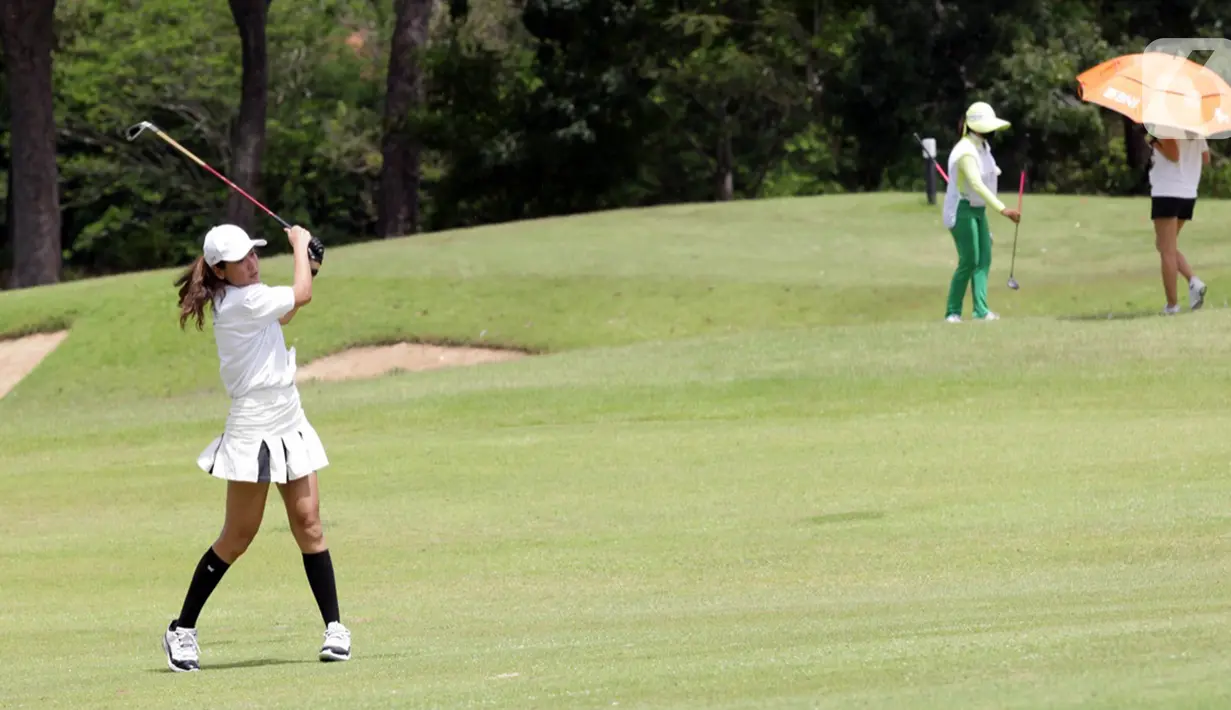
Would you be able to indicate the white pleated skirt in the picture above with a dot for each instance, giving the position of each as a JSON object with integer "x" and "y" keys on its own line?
{"x": 267, "y": 439}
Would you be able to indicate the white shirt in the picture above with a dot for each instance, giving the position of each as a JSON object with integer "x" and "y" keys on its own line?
{"x": 1181, "y": 178}
{"x": 252, "y": 353}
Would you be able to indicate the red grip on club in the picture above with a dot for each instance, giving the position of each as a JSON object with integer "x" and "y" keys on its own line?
{"x": 1021, "y": 190}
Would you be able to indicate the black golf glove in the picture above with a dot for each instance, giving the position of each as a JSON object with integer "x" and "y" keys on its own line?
{"x": 316, "y": 254}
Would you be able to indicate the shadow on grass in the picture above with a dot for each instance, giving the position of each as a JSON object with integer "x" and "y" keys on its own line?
{"x": 256, "y": 663}
{"x": 1114, "y": 315}
{"x": 235, "y": 665}
{"x": 263, "y": 662}
{"x": 51, "y": 325}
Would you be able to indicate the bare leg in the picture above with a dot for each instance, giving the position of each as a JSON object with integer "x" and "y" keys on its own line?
{"x": 1182, "y": 266}
{"x": 302, "y": 500}
{"x": 245, "y": 509}
{"x": 1180, "y": 262}
{"x": 1164, "y": 242}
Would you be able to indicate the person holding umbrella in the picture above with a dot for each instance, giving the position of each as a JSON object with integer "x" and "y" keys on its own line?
{"x": 1154, "y": 89}
{"x": 1175, "y": 173}
{"x": 971, "y": 189}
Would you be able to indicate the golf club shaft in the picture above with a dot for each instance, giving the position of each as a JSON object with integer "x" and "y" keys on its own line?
{"x": 172, "y": 142}
{"x": 1013, "y": 260}
{"x": 1021, "y": 191}
{"x": 934, "y": 161}
{"x": 938, "y": 169}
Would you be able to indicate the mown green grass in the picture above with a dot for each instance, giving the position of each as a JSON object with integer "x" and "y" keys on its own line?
{"x": 763, "y": 475}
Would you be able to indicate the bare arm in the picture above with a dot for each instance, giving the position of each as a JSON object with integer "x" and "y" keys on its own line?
{"x": 1168, "y": 147}
{"x": 302, "y": 284}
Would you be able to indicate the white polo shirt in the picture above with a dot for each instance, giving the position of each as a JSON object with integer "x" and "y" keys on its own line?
{"x": 252, "y": 353}
{"x": 1181, "y": 178}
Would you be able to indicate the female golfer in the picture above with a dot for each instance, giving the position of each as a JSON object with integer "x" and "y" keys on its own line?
{"x": 267, "y": 438}
{"x": 972, "y": 169}
{"x": 1175, "y": 173}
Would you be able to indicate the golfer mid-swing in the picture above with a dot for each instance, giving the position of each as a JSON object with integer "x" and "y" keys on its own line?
{"x": 972, "y": 186}
{"x": 267, "y": 438}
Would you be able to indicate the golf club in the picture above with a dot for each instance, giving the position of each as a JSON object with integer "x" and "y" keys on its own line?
{"x": 934, "y": 162}
{"x": 140, "y": 128}
{"x": 316, "y": 249}
{"x": 1021, "y": 189}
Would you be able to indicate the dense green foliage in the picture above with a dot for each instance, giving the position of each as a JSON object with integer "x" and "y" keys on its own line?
{"x": 561, "y": 106}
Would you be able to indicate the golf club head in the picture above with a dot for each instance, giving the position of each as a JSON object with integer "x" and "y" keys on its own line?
{"x": 137, "y": 129}
{"x": 1013, "y": 284}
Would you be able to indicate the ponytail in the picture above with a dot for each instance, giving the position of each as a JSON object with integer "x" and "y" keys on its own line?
{"x": 198, "y": 285}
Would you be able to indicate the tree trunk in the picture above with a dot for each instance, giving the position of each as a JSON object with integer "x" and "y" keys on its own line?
{"x": 724, "y": 178}
{"x": 400, "y": 147}
{"x": 34, "y": 228}
{"x": 6, "y": 261}
{"x": 248, "y": 138}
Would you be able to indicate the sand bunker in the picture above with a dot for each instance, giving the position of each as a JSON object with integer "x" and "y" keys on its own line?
{"x": 374, "y": 361}
{"x": 18, "y": 357}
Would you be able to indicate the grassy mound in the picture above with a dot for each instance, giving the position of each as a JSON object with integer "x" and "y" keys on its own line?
{"x": 754, "y": 468}
{"x": 622, "y": 278}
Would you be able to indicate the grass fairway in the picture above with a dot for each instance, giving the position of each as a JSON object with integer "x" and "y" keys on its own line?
{"x": 753, "y": 468}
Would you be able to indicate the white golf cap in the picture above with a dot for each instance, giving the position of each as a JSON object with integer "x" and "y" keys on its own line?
{"x": 980, "y": 118}
{"x": 228, "y": 242}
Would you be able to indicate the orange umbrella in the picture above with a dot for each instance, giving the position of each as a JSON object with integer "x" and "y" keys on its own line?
{"x": 1161, "y": 92}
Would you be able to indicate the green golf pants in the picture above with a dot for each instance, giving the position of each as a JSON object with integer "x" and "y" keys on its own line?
{"x": 973, "y": 239}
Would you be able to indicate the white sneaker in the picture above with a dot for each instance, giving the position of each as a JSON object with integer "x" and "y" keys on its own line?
{"x": 989, "y": 316}
{"x": 181, "y": 648}
{"x": 1196, "y": 293}
{"x": 1171, "y": 310}
{"x": 953, "y": 319}
{"x": 337, "y": 643}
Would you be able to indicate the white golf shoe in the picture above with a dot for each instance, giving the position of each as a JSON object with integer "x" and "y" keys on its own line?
{"x": 1171, "y": 310}
{"x": 1196, "y": 293}
{"x": 988, "y": 316}
{"x": 183, "y": 653}
{"x": 953, "y": 319}
{"x": 337, "y": 643}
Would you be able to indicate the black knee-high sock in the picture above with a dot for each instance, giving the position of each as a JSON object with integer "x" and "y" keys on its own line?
{"x": 319, "y": 567}
{"x": 209, "y": 572}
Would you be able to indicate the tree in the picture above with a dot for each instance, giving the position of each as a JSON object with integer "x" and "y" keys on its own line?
{"x": 142, "y": 205}
{"x": 400, "y": 146}
{"x": 580, "y": 134}
{"x": 6, "y": 257}
{"x": 8, "y": 227}
{"x": 28, "y": 36}
{"x": 738, "y": 89}
{"x": 248, "y": 138}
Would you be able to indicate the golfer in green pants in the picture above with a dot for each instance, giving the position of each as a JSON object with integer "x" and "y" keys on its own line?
{"x": 972, "y": 169}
